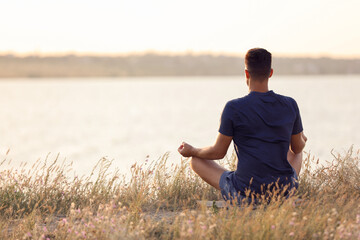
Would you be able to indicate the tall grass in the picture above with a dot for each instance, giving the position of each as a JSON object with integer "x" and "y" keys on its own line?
{"x": 158, "y": 201}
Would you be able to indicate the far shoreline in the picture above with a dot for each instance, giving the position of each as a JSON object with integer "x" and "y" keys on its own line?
{"x": 156, "y": 65}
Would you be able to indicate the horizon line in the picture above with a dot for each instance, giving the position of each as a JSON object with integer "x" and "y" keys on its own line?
{"x": 171, "y": 53}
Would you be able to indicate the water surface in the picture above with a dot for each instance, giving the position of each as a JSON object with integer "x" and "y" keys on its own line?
{"x": 128, "y": 119}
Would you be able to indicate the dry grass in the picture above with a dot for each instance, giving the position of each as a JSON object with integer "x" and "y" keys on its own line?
{"x": 159, "y": 201}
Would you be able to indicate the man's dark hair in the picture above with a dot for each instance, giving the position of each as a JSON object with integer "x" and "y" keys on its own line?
{"x": 258, "y": 63}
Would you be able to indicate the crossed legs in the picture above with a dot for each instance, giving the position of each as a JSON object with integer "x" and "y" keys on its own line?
{"x": 208, "y": 170}
{"x": 211, "y": 172}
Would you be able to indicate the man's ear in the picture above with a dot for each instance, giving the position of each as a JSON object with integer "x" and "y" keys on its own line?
{"x": 247, "y": 74}
{"x": 271, "y": 72}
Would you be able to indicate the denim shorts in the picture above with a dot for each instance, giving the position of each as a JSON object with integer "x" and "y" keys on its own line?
{"x": 229, "y": 193}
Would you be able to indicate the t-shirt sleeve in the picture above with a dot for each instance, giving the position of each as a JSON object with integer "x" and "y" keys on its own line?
{"x": 297, "y": 128}
{"x": 226, "y": 123}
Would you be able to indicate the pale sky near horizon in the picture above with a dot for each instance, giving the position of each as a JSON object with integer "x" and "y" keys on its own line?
{"x": 307, "y": 27}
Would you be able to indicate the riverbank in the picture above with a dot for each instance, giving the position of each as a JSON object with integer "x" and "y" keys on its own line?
{"x": 160, "y": 202}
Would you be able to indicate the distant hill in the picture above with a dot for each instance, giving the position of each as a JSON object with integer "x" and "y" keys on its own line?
{"x": 161, "y": 65}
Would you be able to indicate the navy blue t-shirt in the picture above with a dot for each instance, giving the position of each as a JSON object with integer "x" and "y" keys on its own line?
{"x": 261, "y": 125}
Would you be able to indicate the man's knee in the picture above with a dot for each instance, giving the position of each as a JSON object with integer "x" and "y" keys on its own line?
{"x": 195, "y": 163}
{"x": 208, "y": 170}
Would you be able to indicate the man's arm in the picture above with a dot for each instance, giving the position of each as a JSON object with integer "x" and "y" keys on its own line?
{"x": 297, "y": 142}
{"x": 217, "y": 151}
{"x": 294, "y": 156}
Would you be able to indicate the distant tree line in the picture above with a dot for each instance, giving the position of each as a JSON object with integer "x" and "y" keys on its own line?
{"x": 162, "y": 65}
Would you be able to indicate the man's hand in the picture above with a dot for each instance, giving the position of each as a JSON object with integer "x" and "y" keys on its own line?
{"x": 186, "y": 150}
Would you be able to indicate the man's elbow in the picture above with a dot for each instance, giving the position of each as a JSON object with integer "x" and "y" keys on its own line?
{"x": 299, "y": 148}
{"x": 222, "y": 155}
{"x": 297, "y": 151}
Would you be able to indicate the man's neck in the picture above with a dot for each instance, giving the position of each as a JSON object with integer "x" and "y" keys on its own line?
{"x": 256, "y": 86}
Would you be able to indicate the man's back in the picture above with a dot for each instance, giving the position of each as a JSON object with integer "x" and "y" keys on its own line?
{"x": 261, "y": 125}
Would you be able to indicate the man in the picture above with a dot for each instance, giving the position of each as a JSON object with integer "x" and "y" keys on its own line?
{"x": 268, "y": 138}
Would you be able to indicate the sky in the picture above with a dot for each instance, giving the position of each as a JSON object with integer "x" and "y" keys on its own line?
{"x": 304, "y": 28}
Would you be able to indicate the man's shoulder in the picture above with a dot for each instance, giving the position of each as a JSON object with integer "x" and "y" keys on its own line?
{"x": 247, "y": 100}
{"x": 237, "y": 101}
{"x": 286, "y": 99}
{"x": 236, "y": 104}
